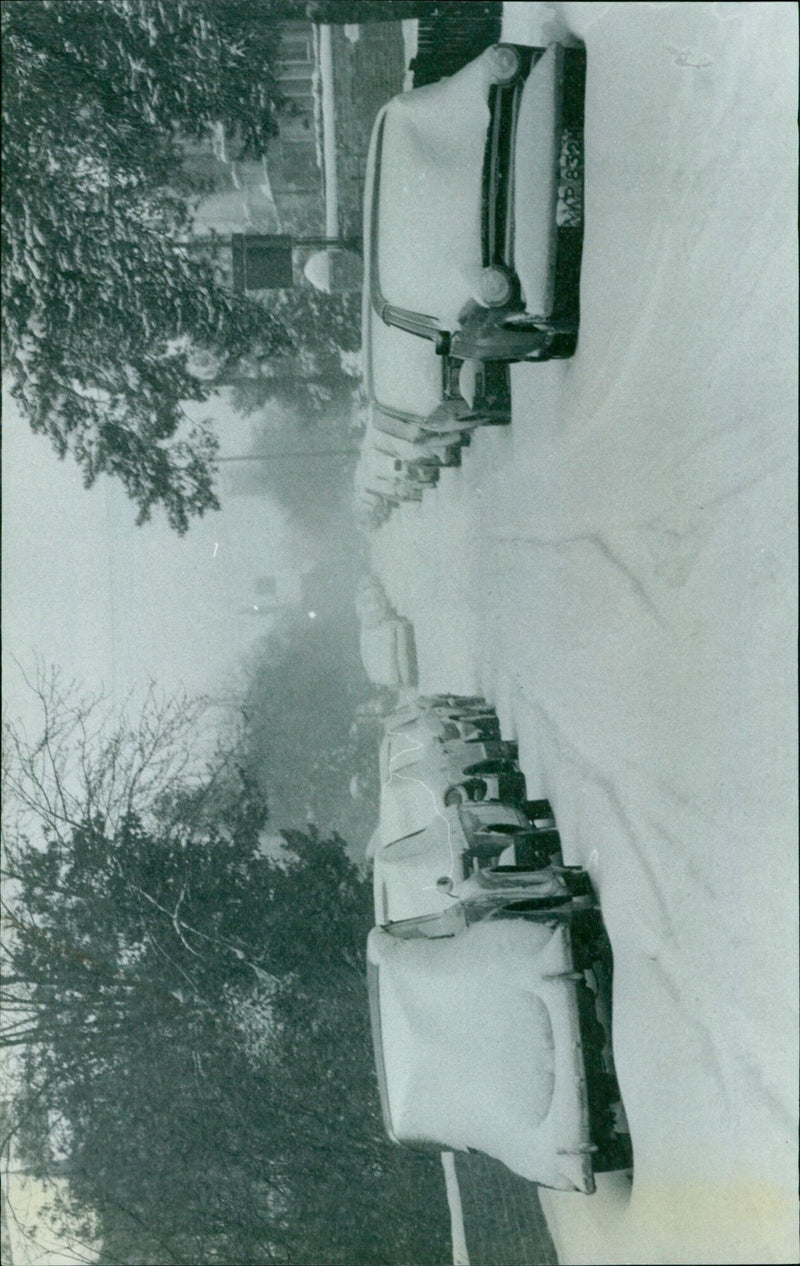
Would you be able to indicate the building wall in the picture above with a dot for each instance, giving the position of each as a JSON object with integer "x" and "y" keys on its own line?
{"x": 282, "y": 190}
{"x": 368, "y": 72}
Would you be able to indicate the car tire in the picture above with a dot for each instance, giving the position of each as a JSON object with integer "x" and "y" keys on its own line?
{"x": 563, "y": 346}
{"x": 501, "y": 765}
{"x": 466, "y": 792}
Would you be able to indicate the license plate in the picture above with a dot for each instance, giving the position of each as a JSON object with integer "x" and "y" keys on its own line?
{"x": 569, "y": 209}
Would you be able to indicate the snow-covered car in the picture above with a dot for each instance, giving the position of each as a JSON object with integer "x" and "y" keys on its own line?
{"x": 474, "y": 226}
{"x": 388, "y": 653}
{"x": 409, "y": 439}
{"x": 370, "y": 509}
{"x": 386, "y": 640}
{"x": 381, "y": 472}
{"x": 491, "y": 1033}
{"x": 446, "y": 720}
{"x": 431, "y": 855}
{"x": 372, "y": 604}
{"x": 453, "y": 770}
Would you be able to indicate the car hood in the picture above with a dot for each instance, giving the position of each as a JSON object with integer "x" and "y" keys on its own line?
{"x": 428, "y": 252}
{"x": 407, "y": 870}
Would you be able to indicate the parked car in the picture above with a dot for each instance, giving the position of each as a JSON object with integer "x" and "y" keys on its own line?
{"x": 371, "y": 509}
{"x": 382, "y": 473}
{"x": 388, "y": 653}
{"x": 410, "y": 439}
{"x": 491, "y": 1027}
{"x": 474, "y": 229}
{"x": 387, "y": 648}
{"x": 372, "y": 603}
{"x": 432, "y": 854}
{"x": 471, "y": 719}
{"x": 454, "y": 770}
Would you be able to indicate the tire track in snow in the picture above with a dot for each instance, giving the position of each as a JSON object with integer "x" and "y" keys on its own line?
{"x": 633, "y": 582}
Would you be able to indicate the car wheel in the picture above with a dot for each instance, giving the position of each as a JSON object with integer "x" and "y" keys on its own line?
{"x": 499, "y": 766}
{"x": 471, "y": 789}
{"x": 563, "y": 346}
{"x": 491, "y": 840}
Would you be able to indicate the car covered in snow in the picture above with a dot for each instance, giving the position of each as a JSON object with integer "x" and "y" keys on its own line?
{"x": 388, "y": 654}
{"x": 446, "y": 717}
{"x": 412, "y": 443}
{"x": 430, "y": 855}
{"x": 386, "y": 641}
{"x": 371, "y": 508}
{"x": 380, "y": 472}
{"x": 491, "y": 1031}
{"x": 489, "y": 970}
{"x": 454, "y": 770}
{"x": 474, "y": 228}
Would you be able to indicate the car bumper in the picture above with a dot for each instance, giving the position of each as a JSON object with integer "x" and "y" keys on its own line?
{"x": 532, "y": 213}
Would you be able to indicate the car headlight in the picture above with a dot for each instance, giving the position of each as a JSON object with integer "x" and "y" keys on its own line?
{"x": 505, "y": 63}
{"x": 495, "y": 287}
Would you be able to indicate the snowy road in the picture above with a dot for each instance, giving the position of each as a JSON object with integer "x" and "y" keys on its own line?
{"x": 617, "y": 572}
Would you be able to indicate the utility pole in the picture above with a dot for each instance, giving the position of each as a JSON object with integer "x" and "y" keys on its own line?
{"x": 271, "y": 457}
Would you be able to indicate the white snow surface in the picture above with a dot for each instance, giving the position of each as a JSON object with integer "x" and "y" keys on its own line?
{"x": 617, "y": 572}
{"x": 479, "y": 1045}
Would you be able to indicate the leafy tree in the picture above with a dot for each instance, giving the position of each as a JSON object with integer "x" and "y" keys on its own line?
{"x": 101, "y": 306}
{"x": 302, "y": 688}
{"x": 311, "y": 384}
{"x": 340, "y": 11}
{"x": 190, "y": 1013}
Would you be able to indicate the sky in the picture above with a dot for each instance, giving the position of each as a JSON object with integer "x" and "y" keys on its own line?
{"x": 115, "y": 605}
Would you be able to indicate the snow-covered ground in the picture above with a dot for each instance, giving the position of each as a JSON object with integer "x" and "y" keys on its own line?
{"x": 617, "y": 572}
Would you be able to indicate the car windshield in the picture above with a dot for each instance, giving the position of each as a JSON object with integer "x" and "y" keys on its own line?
{"x": 404, "y": 374}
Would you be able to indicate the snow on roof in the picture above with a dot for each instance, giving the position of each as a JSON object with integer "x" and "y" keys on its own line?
{"x": 430, "y": 170}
